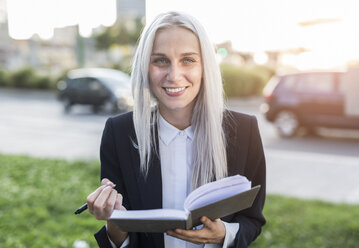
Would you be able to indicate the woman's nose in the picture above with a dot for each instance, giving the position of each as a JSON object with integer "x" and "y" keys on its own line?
{"x": 174, "y": 73}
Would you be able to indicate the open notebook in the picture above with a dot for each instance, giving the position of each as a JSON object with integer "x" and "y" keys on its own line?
{"x": 214, "y": 200}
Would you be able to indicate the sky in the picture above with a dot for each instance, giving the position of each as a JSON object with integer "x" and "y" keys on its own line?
{"x": 327, "y": 28}
{"x": 270, "y": 25}
{"x": 27, "y": 17}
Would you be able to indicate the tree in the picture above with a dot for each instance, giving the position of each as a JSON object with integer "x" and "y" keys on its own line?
{"x": 123, "y": 32}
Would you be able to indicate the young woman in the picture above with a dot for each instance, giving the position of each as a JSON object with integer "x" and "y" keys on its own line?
{"x": 178, "y": 137}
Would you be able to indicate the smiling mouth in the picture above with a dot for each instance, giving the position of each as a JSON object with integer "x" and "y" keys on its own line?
{"x": 175, "y": 90}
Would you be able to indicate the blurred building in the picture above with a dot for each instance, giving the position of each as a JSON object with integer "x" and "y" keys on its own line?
{"x": 65, "y": 50}
{"x": 5, "y": 44}
{"x": 131, "y": 8}
{"x": 6, "y": 47}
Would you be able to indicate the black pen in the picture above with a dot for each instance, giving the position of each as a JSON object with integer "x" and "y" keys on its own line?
{"x": 81, "y": 209}
{"x": 84, "y": 207}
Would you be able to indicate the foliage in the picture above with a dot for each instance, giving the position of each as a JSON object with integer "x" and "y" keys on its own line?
{"x": 39, "y": 196}
{"x": 294, "y": 223}
{"x": 125, "y": 65}
{"x": 25, "y": 78}
{"x": 123, "y": 32}
{"x": 62, "y": 76}
{"x": 3, "y": 78}
{"x": 243, "y": 81}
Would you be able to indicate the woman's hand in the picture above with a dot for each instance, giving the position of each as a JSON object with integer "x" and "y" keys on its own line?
{"x": 101, "y": 204}
{"x": 104, "y": 200}
{"x": 213, "y": 232}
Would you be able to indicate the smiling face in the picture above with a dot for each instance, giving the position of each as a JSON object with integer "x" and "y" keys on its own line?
{"x": 175, "y": 71}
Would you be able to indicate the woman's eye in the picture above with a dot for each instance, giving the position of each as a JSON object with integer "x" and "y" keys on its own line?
{"x": 160, "y": 61}
{"x": 189, "y": 61}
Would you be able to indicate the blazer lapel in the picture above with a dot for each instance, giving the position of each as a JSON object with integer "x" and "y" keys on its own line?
{"x": 234, "y": 152}
{"x": 150, "y": 188}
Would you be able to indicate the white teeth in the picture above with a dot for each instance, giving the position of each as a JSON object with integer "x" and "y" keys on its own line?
{"x": 174, "y": 90}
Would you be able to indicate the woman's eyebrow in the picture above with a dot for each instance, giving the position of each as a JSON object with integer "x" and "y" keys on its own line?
{"x": 183, "y": 54}
{"x": 158, "y": 54}
{"x": 190, "y": 54}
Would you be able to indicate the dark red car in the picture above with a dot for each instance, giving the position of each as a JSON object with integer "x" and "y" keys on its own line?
{"x": 312, "y": 99}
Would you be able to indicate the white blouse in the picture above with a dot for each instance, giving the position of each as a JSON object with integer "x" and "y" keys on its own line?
{"x": 175, "y": 148}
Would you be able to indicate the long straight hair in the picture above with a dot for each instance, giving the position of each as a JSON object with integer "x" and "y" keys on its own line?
{"x": 209, "y": 145}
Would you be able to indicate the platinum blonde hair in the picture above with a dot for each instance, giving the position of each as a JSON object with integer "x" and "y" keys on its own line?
{"x": 209, "y": 154}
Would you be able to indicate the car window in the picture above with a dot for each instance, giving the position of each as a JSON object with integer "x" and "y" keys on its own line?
{"x": 289, "y": 82}
{"x": 93, "y": 84}
{"x": 78, "y": 83}
{"x": 316, "y": 83}
{"x": 346, "y": 83}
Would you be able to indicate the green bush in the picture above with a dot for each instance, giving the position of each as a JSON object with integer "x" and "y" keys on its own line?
{"x": 3, "y": 78}
{"x": 125, "y": 65}
{"x": 43, "y": 82}
{"x": 22, "y": 78}
{"x": 242, "y": 81}
{"x": 26, "y": 78}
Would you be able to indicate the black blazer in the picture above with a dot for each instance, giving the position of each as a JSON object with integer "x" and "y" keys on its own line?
{"x": 120, "y": 164}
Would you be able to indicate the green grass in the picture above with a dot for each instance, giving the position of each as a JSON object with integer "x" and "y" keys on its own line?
{"x": 298, "y": 223}
{"x": 38, "y": 198}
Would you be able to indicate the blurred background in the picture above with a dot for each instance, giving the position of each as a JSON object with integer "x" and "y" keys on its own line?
{"x": 65, "y": 67}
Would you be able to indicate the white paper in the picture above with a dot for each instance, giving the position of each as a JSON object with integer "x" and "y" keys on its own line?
{"x": 151, "y": 214}
{"x": 216, "y": 191}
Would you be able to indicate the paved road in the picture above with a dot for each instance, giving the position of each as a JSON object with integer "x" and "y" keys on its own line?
{"x": 324, "y": 167}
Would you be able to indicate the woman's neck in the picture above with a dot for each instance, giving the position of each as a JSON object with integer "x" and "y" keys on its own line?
{"x": 179, "y": 119}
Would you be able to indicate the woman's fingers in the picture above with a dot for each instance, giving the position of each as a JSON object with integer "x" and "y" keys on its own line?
{"x": 91, "y": 198}
{"x": 213, "y": 232}
{"x": 118, "y": 202}
{"x": 101, "y": 200}
{"x": 207, "y": 222}
{"x": 105, "y": 181}
{"x": 123, "y": 208}
{"x": 108, "y": 207}
{"x": 104, "y": 200}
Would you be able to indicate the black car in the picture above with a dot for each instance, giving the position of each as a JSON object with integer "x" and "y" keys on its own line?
{"x": 99, "y": 87}
{"x": 310, "y": 100}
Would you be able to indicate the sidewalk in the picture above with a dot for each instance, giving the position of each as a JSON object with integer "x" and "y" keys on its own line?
{"x": 320, "y": 176}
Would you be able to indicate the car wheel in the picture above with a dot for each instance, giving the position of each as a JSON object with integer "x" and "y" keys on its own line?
{"x": 287, "y": 123}
{"x": 95, "y": 108}
{"x": 110, "y": 107}
{"x": 67, "y": 105}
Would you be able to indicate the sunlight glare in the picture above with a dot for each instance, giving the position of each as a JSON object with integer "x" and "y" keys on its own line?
{"x": 45, "y": 15}
{"x": 326, "y": 29}
{"x": 260, "y": 58}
